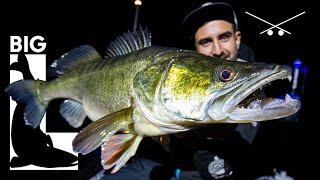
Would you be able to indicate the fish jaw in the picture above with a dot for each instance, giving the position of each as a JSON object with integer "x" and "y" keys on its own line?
{"x": 266, "y": 109}
{"x": 228, "y": 111}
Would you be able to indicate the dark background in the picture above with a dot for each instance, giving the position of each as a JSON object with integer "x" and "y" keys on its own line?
{"x": 65, "y": 25}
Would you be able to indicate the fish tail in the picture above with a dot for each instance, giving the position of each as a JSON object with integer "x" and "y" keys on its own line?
{"x": 27, "y": 92}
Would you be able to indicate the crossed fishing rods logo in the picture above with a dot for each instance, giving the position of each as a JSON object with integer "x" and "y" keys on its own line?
{"x": 269, "y": 31}
{"x": 34, "y": 148}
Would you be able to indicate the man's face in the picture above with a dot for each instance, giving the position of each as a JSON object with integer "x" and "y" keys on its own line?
{"x": 218, "y": 39}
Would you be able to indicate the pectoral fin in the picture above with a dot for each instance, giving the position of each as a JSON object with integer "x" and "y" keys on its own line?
{"x": 118, "y": 149}
{"x": 101, "y": 130}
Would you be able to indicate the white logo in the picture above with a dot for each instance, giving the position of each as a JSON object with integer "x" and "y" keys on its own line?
{"x": 269, "y": 30}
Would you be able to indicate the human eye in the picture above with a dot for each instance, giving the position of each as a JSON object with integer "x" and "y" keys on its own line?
{"x": 205, "y": 42}
{"x": 225, "y": 37}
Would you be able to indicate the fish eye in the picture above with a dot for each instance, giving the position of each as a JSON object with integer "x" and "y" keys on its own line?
{"x": 225, "y": 75}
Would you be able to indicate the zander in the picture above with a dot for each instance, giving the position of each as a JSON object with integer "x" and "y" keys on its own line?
{"x": 140, "y": 90}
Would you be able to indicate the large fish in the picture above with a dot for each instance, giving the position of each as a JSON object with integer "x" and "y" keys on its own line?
{"x": 141, "y": 91}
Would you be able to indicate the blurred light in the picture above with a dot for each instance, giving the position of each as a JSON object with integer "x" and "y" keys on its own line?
{"x": 297, "y": 63}
{"x": 138, "y": 2}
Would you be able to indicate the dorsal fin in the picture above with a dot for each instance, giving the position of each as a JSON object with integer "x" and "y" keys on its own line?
{"x": 72, "y": 58}
{"x": 129, "y": 42}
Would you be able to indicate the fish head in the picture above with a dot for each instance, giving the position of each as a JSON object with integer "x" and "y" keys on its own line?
{"x": 190, "y": 87}
{"x": 241, "y": 99}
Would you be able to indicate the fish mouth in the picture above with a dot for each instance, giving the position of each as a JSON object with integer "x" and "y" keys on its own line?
{"x": 246, "y": 103}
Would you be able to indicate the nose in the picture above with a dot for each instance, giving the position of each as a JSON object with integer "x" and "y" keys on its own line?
{"x": 217, "y": 50}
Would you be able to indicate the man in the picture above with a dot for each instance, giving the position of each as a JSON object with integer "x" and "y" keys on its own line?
{"x": 213, "y": 26}
{"x": 219, "y": 150}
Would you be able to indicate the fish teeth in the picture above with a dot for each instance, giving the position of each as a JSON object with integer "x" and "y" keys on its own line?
{"x": 254, "y": 124}
{"x": 288, "y": 98}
